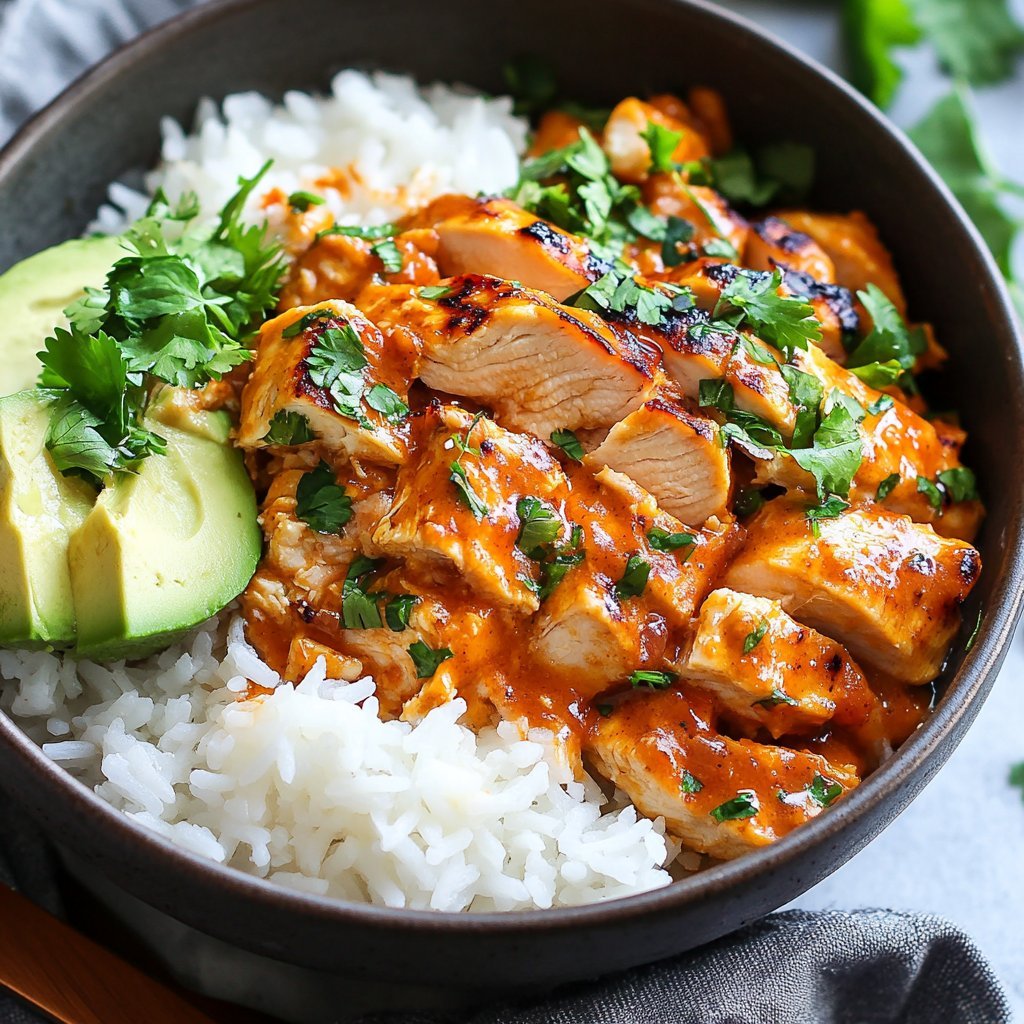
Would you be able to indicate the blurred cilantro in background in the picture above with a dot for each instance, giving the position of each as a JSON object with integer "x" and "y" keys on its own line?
{"x": 977, "y": 43}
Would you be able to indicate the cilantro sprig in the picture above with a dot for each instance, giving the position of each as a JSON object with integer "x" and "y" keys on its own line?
{"x": 177, "y": 309}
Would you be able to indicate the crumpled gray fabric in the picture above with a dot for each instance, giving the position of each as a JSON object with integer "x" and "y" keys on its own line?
{"x": 868, "y": 967}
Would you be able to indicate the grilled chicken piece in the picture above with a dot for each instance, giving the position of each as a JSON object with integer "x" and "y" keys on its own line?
{"x": 283, "y": 383}
{"x": 674, "y": 453}
{"x": 887, "y": 588}
{"x": 710, "y": 214}
{"x": 540, "y": 366}
{"x": 852, "y": 243}
{"x": 896, "y": 443}
{"x": 628, "y": 152}
{"x": 595, "y": 626}
{"x": 706, "y": 108}
{"x": 693, "y": 352}
{"x": 722, "y": 797}
{"x": 835, "y": 309}
{"x": 773, "y": 243}
{"x": 499, "y": 238}
{"x": 766, "y": 667}
{"x": 341, "y": 266}
{"x": 460, "y": 459}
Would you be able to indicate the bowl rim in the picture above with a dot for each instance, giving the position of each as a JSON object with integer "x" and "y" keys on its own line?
{"x": 969, "y": 686}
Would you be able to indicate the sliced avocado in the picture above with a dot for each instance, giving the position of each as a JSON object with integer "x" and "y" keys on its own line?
{"x": 166, "y": 548}
{"x": 34, "y": 294}
{"x": 39, "y": 510}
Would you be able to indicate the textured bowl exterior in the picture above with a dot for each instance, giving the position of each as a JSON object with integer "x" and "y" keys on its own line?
{"x": 52, "y": 178}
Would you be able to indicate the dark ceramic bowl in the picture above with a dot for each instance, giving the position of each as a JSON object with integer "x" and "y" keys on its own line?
{"x": 308, "y": 958}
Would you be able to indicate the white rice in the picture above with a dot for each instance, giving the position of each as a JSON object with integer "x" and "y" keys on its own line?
{"x": 308, "y": 787}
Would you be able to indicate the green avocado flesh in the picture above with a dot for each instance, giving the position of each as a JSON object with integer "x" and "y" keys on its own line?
{"x": 39, "y": 510}
{"x": 157, "y": 552}
{"x": 33, "y": 296}
{"x": 163, "y": 550}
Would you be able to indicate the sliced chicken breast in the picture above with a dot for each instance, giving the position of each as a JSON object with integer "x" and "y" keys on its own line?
{"x": 766, "y": 667}
{"x": 540, "y": 366}
{"x": 673, "y": 452}
{"x": 499, "y": 238}
{"x": 774, "y": 243}
{"x": 628, "y": 152}
{"x": 322, "y": 372}
{"x": 722, "y": 797}
{"x": 454, "y": 513}
{"x": 887, "y": 588}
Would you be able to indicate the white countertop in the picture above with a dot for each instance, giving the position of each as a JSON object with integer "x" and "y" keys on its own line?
{"x": 958, "y": 850}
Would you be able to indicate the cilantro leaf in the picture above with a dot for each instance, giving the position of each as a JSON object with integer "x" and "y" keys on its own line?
{"x": 662, "y": 143}
{"x": 976, "y": 40}
{"x": 947, "y": 137}
{"x": 743, "y": 805}
{"x": 786, "y": 321}
{"x": 389, "y": 254}
{"x": 428, "y": 659}
{"x": 689, "y": 783}
{"x": 777, "y": 697}
{"x": 288, "y": 428}
{"x": 831, "y": 508}
{"x": 886, "y": 487}
{"x": 755, "y": 636}
{"x": 930, "y": 491}
{"x": 397, "y": 611}
{"x": 538, "y": 526}
{"x": 662, "y": 540}
{"x": 634, "y": 578}
{"x": 823, "y": 791}
{"x": 75, "y": 443}
{"x": 382, "y": 399}
{"x": 835, "y": 455}
{"x": 871, "y": 29}
{"x": 569, "y": 443}
{"x": 321, "y": 502}
{"x": 358, "y": 231}
{"x": 301, "y": 201}
{"x": 465, "y": 491}
{"x": 960, "y": 484}
{"x": 781, "y": 171}
{"x": 651, "y": 679}
{"x": 358, "y": 608}
{"x": 890, "y": 339}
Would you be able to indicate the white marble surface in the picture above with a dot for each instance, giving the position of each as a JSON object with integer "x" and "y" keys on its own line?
{"x": 958, "y": 850}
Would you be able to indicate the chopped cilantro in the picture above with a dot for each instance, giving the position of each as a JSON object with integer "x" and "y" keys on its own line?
{"x": 321, "y": 502}
{"x": 604, "y": 710}
{"x": 634, "y": 578}
{"x": 780, "y": 171}
{"x": 428, "y": 659}
{"x": 538, "y": 525}
{"x": 1017, "y": 777}
{"x": 890, "y": 340}
{"x": 652, "y": 679}
{"x": 434, "y": 291}
{"x": 806, "y": 394}
{"x": 689, "y": 783}
{"x": 288, "y": 428}
{"x": 930, "y": 491}
{"x": 304, "y": 323}
{"x": 778, "y": 697}
{"x": 358, "y": 608}
{"x": 569, "y": 443}
{"x": 748, "y": 501}
{"x": 823, "y": 791}
{"x": 960, "y": 484}
{"x": 831, "y": 507}
{"x": 743, "y": 805}
{"x": 389, "y": 254}
{"x": 397, "y": 611}
{"x": 619, "y": 292}
{"x": 178, "y": 308}
{"x": 755, "y": 636}
{"x": 662, "y": 540}
{"x": 336, "y": 363}
{"x": 880, "y": 405}
{"x": 678, "y": 233}
{"x": 358, "y": 231}
{"x": 836, "y": 453}
{"x": 465, "y": 491}
{"x": 880, "y": 375}
{"x": 531, "y": 82}
{"x": 301, "y": 201}
{"x": 885, "y": 488}
{"x": 662, "y": 143}
{"x": 381, "y": 398}
{"x": 786, "y": 321}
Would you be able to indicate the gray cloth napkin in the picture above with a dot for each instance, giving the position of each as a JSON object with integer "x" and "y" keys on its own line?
{"x": 869, "y": 967}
